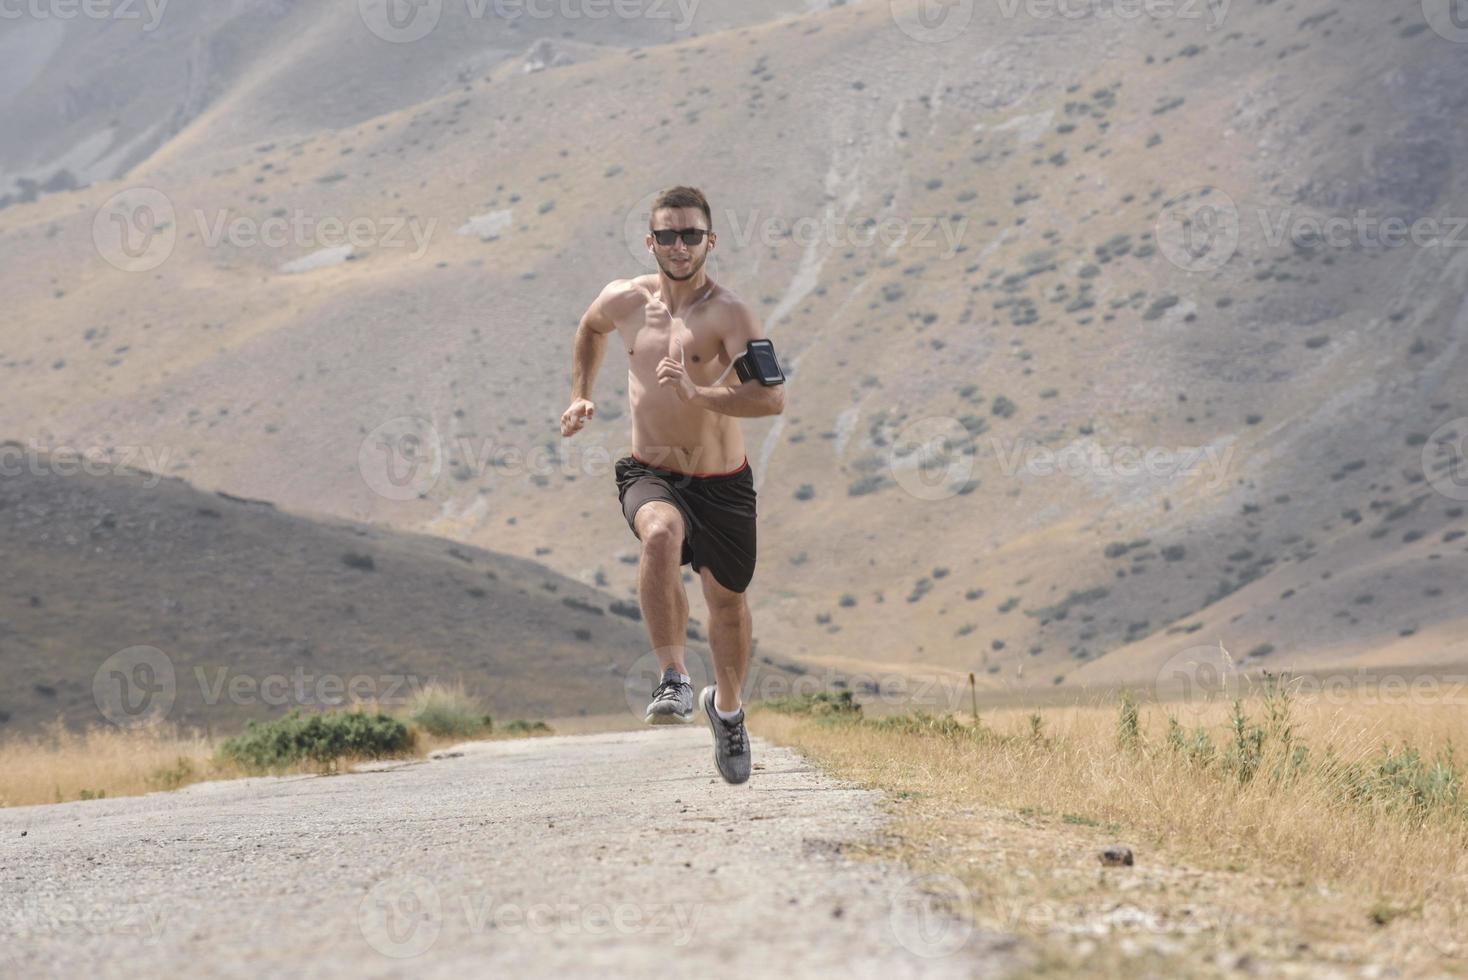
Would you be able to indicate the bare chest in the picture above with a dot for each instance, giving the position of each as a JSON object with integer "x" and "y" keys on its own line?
{"x": 697, "y": 335}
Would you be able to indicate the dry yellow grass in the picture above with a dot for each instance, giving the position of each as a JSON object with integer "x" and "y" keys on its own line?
{"x": 1285, "y": 872}
{"x": 58, "y": 764}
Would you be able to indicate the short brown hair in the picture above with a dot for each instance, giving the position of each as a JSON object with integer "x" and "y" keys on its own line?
{"x": 681, "y": 197}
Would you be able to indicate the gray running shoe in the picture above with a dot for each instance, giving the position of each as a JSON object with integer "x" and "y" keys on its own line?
{"x": 672, "y": 701}
{"x": 731, "y": 741}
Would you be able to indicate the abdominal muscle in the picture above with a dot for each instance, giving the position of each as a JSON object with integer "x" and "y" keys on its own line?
{"x": 669, "y": 433}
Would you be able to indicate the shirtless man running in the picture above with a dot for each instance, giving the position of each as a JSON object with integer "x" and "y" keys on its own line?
{"x": 686, "y": 490}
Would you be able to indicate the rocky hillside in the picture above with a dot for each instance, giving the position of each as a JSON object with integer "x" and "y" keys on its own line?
{"x": 1101, "y": 346}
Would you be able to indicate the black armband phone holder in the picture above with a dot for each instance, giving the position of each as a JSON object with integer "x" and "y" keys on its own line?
{"x": 759, "y": 362}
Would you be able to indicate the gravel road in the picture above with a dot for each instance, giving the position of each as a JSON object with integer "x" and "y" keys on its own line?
{"x": 614, "y": 854}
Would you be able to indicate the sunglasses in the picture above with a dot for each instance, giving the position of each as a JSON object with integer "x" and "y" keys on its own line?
{"x": 690, "y": 236}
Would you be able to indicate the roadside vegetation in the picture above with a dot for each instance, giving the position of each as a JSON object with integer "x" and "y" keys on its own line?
{"x": 1295, "y": 832}
{"x": 59, "y": 764}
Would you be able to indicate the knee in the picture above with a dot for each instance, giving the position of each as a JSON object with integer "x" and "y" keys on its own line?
{"x": 729, "y": 607}
{"x": 662, "y": 534}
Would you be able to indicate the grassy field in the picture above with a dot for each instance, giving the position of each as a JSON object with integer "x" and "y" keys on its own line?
{"x": 1276, "y": 833}
{"x": 60, "y": 765}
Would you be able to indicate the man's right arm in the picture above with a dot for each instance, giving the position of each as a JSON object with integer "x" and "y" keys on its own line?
{"x": 597, "y": 322}
{"x": 591, "y": 339}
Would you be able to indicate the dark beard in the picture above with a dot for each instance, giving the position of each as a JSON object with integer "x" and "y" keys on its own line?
{"x": 693, "y": 271}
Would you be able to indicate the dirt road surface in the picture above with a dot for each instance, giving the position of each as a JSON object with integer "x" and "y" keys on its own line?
{"x": 615, "y": 854}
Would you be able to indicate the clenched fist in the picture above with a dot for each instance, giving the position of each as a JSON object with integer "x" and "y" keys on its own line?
{"x": 573, "y": 418}
{"x": 655, "y": 314}
{"x": 673, "y": 373}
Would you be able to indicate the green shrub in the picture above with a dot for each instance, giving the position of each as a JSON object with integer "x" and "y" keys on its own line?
{"x": 920, "y": 722}
{"x": 1196, "y": 747}
{"x": 1127, "y": 727}
{"x": 174, "y": 776}
{"x": 522, "y": 727}
{"x": 820, "y": 704}
{"x": 448, "y": 712}
{"x": 322, "y": 738}
{"x": 1406, "y": 783}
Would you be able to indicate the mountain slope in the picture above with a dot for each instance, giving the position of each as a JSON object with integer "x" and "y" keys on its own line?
{"x": 250, "y": 611}
{"x": 1006, "y": 253}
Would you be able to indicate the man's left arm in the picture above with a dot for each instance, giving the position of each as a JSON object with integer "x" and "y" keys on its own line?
{"x": 748, "y": 399}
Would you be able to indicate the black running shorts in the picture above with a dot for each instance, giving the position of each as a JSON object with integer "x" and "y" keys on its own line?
{"x": 718, "y": 514}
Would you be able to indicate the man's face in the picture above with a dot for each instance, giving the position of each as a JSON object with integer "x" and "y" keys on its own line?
{"x": 679, "y": 260}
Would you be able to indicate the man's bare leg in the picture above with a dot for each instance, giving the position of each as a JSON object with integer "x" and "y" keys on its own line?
{"x": 730, "y": 630}
{"x": 660, "y": 582}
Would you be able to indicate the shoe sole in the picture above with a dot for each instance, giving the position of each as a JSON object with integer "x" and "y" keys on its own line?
{"x": 668, "y": 718}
